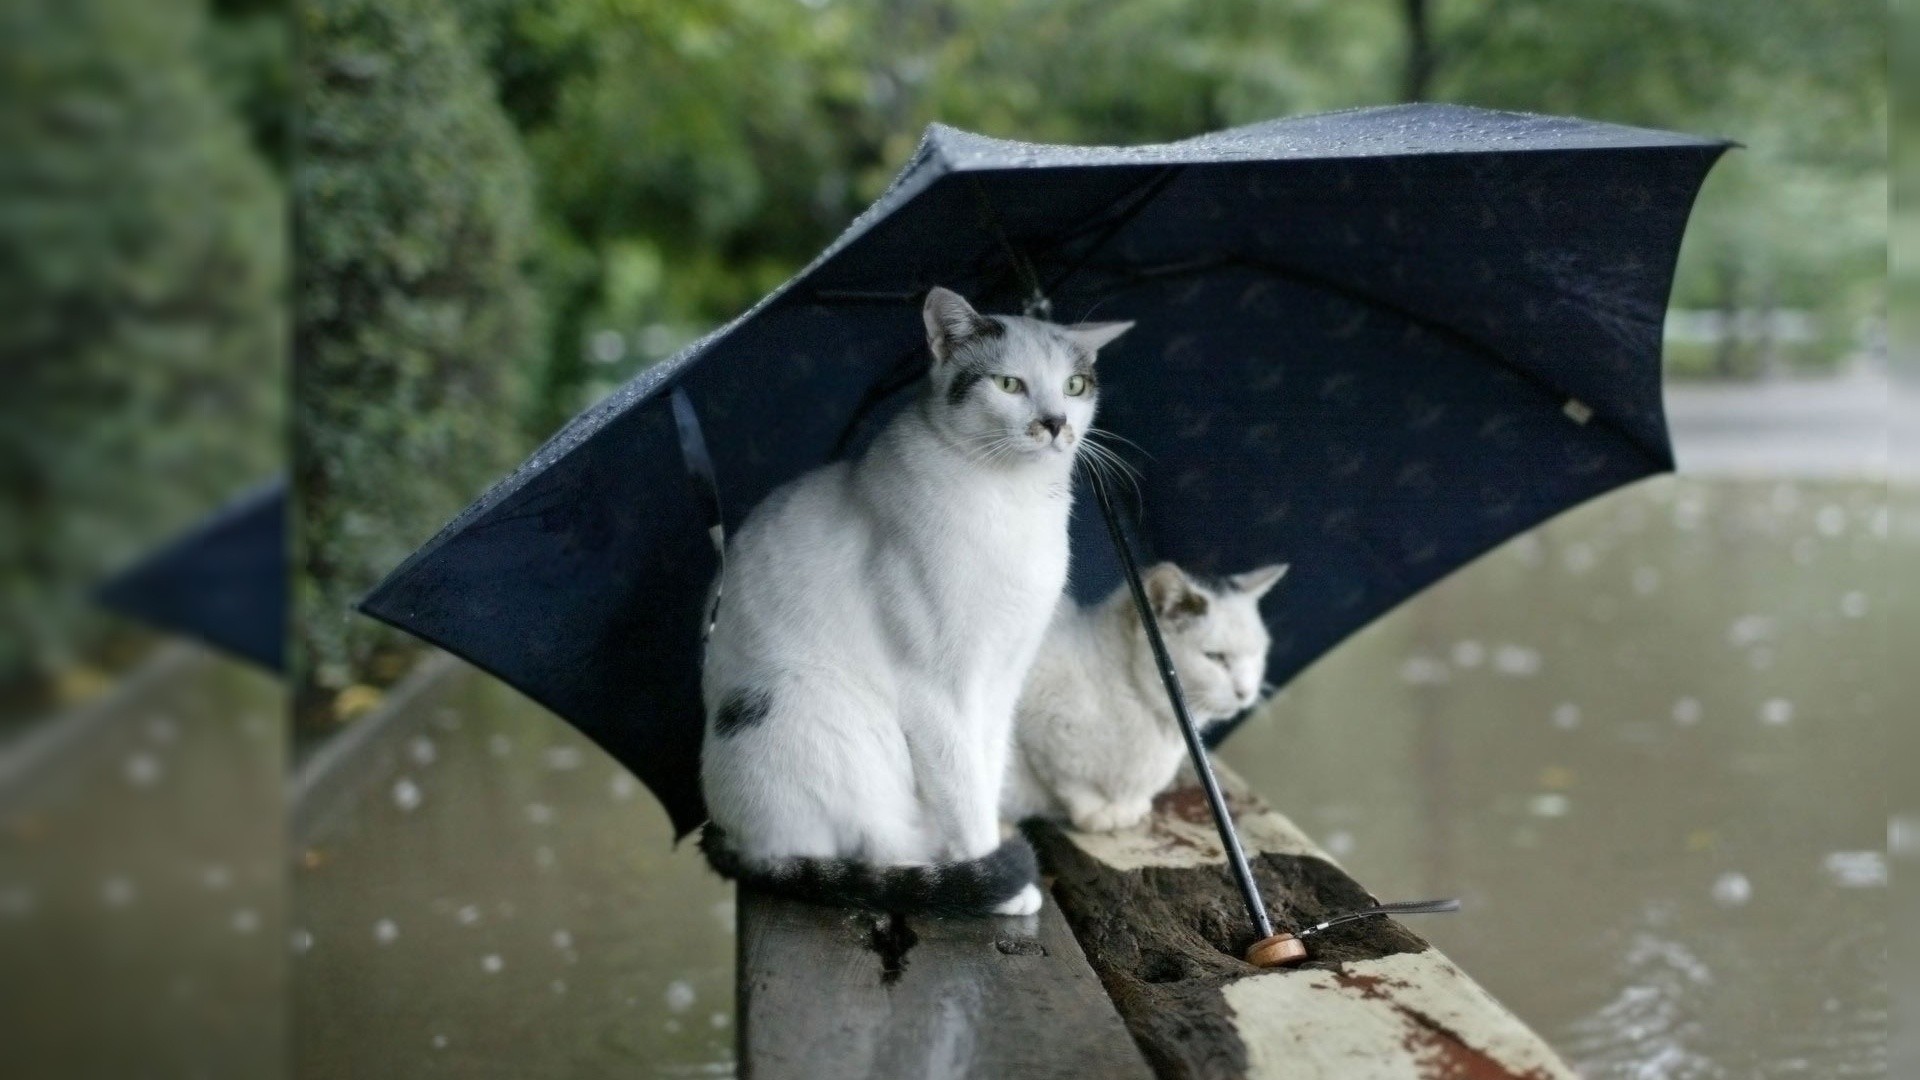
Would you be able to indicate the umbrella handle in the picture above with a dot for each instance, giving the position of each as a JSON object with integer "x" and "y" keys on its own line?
{"x": 1196, "y": 749}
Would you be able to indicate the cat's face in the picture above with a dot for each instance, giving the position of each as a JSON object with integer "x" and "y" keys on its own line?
{"x": 1010, "y": 389}
{"x": 1214, "y": 631}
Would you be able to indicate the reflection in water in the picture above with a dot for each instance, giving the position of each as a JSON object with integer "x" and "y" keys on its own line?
{"x": 142, "y": 881}
{"x": 1663, "y": 808}
{"x": 1637, "y": 742}
{"x": 502, "y": 900}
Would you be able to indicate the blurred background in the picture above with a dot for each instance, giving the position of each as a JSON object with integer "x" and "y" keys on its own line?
{"x": 1659, "y": 718}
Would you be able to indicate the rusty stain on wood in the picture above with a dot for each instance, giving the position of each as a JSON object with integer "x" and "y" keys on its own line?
{"x": 1160, "y": 921}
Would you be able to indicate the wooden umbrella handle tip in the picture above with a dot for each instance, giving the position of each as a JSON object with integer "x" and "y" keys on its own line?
{"x": 1280, "y": 950}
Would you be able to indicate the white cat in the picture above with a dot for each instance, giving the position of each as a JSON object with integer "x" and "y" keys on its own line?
{"x": 1095, "y": 738}
{"x": 877, "y": 620}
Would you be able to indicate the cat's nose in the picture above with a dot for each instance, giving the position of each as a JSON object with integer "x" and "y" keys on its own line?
{"x": 1053, "y": 424}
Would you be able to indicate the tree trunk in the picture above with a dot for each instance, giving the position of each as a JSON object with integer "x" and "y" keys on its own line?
{"x": 1417, "y": 79}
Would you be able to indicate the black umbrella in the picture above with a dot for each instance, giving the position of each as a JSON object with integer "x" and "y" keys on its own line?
{"x": 1372, "y": 344}
{"x": 224, "y": 581}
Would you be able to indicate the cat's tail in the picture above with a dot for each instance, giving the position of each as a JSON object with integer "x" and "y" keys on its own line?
{"x": 969, "y": 887}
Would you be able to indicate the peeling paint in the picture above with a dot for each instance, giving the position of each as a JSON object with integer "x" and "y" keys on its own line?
{"x": 1411, "y": 1016}
{"x": 1180, "y": 832}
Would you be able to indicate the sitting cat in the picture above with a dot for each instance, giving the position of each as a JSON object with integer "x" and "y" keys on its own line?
{"x": 877, "y": 620}
{"x": 1094, "y": 736}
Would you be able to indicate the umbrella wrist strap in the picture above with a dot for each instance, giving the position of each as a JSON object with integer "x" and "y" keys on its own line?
{"x": 1196, "y": 749}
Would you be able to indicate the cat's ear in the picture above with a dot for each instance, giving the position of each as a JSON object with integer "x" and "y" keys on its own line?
{"x": 1172, "y": 595}
{"x": 1092, "y": 335}
{"x": 952, "y": 321}
{"x": 1257, "y": 582}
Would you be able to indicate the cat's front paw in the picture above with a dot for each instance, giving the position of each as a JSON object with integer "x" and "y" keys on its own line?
{"x": 1024, "y": 902}
{"x": 1111, "y": 817}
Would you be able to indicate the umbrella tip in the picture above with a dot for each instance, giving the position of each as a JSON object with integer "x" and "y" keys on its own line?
{"x": 1280, "y": 950}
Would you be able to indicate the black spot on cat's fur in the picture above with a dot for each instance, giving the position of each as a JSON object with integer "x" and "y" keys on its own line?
{"x": 962, "y": 384}
{"x": 741, "y": 710}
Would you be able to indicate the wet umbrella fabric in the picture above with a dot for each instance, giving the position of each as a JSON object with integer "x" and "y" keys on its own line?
{"x": 224, "y": 581}
{"x": 1373, "y": 344}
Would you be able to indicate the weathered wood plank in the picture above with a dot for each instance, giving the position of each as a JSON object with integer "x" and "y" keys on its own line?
{"x": 847, "y": 994}
{"x": 1161, "y": 922}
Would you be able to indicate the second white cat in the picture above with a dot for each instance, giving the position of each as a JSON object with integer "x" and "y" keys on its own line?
{"x": 1094, "y": 736}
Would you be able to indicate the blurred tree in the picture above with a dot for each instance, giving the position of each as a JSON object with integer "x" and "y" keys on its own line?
{"x": 415, "y": 325}
{"x": 142, "y": 307}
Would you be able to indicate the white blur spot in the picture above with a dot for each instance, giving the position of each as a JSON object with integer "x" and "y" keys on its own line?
{"x": 1339, "y": 843}
{"x": 116, "y": 892}
{"x": 1830, "y": 521}
{"x": 422, "y": 750}
{"x": 1854, "y": 604}
{"x": 386, "y": 932}
{"x": 1646, "y": 580}
{"x": 406, "y": 794}
{"x": 672, "y": 1025}
{"x": 1549, "y": 804}
{"x": 564, "y": 758}
{"x": 607, "y": 346}
{"x": 302, "y": 942}
{"x": 562, "y": 939}
{"x": 1732, "y": 889}
{"x": 492, "y": 964}
{"x": 621, "y": 787}
{"x": 1857, "y": 869}
{"x": 439, "y": 1042}
{"x": 468, "y": 915}
{"x": 499, "y": 745}
{"x": 1579, "y": 558}
{"x": 1516, "y": 660}
{"x": 246, "y": 921}
{"x": 718, "y": 1021}
{"x": 142, "y": 769}
{"x": 1566, "y": 716}
{"x": 1686, "y": 711}
{"x": 539, "y": 813}
{"x": 1777, "y": 712}
{"x": 1424, "y": 671}
{"x": 680, "y": 995}
{"x": 16, "y": 902}
{"x": 559, "y": 986}
{"x": 1468, "y": 654}
{"x": 216, "y": 877}
{"x": 1749, "y": 630}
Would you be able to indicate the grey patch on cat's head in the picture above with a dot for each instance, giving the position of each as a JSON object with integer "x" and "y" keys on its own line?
{"x": 1176, "y": 598}
{"x": 1215, "y": 635}
{"x": 741, "y": 710}
{"x": 1010, "y": 389}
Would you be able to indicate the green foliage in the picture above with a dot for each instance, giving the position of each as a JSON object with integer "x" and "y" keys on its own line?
{"x": 142, "y": 307}
{"x": 415, "y": 324}
{"x": 693, "y": 153}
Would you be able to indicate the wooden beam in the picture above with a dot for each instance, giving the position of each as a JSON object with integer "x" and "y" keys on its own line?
{"x": 1161, "y": 922}
{"x": 847, "y": 994}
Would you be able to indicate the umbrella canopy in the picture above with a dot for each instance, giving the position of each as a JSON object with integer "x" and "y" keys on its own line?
{"x": 224, "y": 581}
{"x": 1372, "y": 344}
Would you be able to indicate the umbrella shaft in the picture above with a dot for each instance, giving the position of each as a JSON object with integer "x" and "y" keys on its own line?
{"x": 1197, "y": 750}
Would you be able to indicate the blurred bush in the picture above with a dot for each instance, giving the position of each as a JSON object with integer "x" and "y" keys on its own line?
{"x": 142, "y": 311}
{"x": 415, "y": 324}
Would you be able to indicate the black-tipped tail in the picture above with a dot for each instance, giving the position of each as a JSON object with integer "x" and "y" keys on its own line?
{"x": 973, "y": 887}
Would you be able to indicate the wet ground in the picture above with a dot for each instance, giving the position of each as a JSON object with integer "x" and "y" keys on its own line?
{"x": 142, "y": 880}
{"x": 1641, "y": 743}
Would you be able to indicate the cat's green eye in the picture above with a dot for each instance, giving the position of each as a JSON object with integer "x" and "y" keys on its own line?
{"x": 1008, "y": 383}
{"x": 1076, "y": 385}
